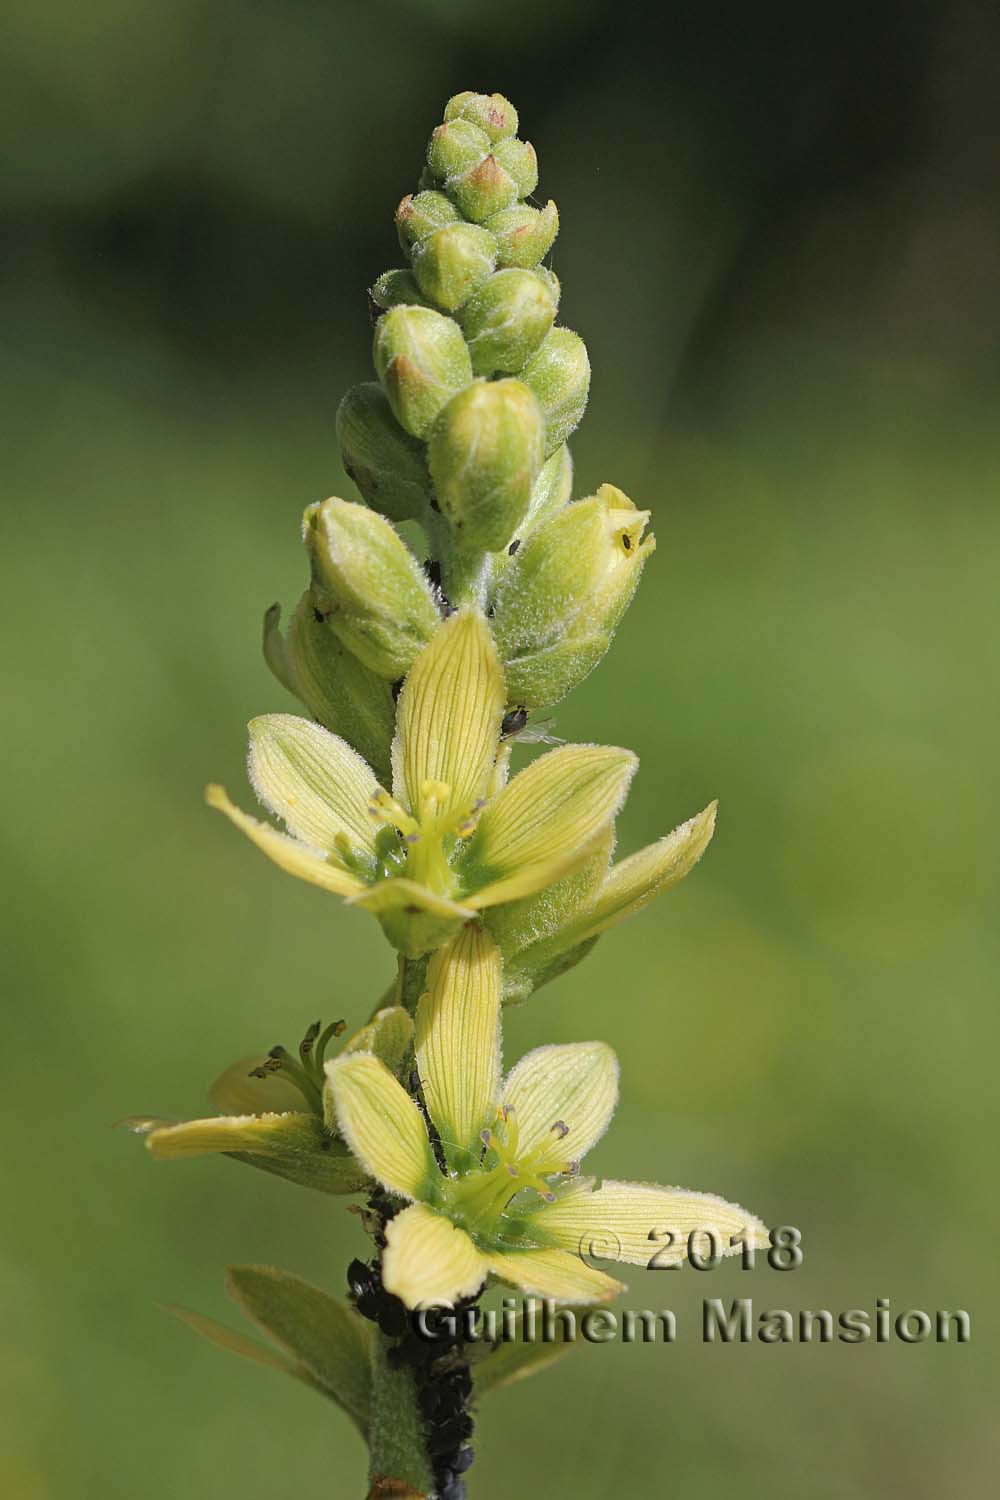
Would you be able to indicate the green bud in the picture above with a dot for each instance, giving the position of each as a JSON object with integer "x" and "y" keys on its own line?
{"x": 368, "y": 585}
{"x": 387, "y": 465}
{"x": 483, "y": 190}
{"x": 507, "y": 320}
{"x": 567, "y": 587}
{"x": 421, "y": 359}
{"x": 454, "y": 262}
{"x": 491, "y": 112}
{"x": 559, "y": 375}
{"x": 485, "y": 454}
{"x": 455, "y": 148}
{"x": 518, "y": 160}
{"x": 336, "y": 688}
{"x": 524, "y": 234}
{"x": 397, "y": 288}
{"x": 418, "y": 215}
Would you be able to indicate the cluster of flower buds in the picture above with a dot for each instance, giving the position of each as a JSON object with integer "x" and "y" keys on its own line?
{"x": 465, "y": 433}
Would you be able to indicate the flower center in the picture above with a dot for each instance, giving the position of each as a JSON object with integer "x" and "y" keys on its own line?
{"x": 478, "y": 1199}
{"x": 428, "y": 834}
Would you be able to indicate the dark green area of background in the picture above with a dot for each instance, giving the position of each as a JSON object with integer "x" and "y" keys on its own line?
{"x": 781, "y": 232}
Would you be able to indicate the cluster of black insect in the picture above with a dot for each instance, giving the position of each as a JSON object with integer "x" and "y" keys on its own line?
{"x": 441, "y": 1372}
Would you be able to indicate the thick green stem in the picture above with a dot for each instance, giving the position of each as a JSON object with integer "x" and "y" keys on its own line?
{"x": 399, "y": 1464}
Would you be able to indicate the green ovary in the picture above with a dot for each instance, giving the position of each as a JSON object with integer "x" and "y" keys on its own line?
{"x": 479, "y": 1199}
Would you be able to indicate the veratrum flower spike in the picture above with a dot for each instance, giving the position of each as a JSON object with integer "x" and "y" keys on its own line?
{"x": 448, "y": 841}
{"x": 509, "y": 1202}
{"x": 422, "y": 666}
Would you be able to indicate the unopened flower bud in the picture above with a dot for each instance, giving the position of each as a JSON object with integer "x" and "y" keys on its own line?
{"x": 456, "y": 147}
{"x": 507, "y": 320}
{"x": 387, "y": 465}
{"x": 337, "y": 689}
{"x": 524, "y": 234}
{"x": 519, "y": 161}
{"x": 491, "y": 112}
{"x": 564, "y": 592}
{"x": 484, "y": 190}
{"x": 419, "y": 214}
{"x": 485, "y": 454}
{"x": 559, "y": 375}
{"x": 397, "y": 288}
{"x": 454, "y": 262}
{"x": 421, "y": 359}
{"x": 368, "y": 585}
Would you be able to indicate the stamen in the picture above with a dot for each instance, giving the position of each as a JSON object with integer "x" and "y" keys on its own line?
{"x": 306, "y": 1044}
{"x": 385, "y": 809}
{"x": 467, "y": 825}
{"x": 279, "y": 1060}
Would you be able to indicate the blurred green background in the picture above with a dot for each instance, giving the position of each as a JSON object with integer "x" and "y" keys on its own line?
{"x": 780, "y": 238}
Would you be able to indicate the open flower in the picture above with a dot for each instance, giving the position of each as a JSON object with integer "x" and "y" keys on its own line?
{"x": 450, "y": 839}
{"x": 491, "y": 1171}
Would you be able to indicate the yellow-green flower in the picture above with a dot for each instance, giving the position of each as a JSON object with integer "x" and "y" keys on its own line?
{"x": 450, "y": 839}
{"x": 491, "y": 1172}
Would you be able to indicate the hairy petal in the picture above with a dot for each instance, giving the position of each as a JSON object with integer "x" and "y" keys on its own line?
{"x": 381, "y": 1123}
{"x": 428, "y": 1260}
{"x": 448, "y": 718}
{"x": 287, "y": 853}
{"x": 458, "y": 1040}
{"x": 575, "y": 1084}
{"x": 312, "y": 780}
{"x": 638, "y": 1222}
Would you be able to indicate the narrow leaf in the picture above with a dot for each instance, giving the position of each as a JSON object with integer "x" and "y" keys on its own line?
{"x": 323, "y": 1334}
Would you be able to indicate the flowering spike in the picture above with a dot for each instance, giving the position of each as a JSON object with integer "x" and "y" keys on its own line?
{"x": 422, "y": 662}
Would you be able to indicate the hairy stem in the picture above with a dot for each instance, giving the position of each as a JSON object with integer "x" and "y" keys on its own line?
{"x": 399, "y": 1464}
